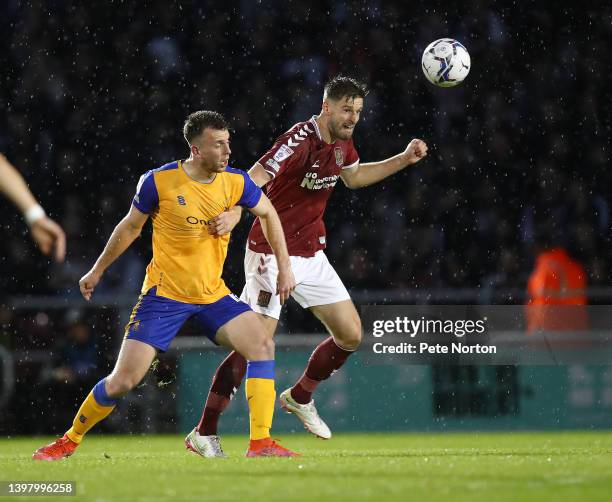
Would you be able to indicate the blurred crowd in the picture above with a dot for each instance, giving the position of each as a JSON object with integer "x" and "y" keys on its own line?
{"x": 94, "y": 94}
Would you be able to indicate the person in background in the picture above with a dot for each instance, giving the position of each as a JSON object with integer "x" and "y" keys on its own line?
{"x": 558, "y": 281}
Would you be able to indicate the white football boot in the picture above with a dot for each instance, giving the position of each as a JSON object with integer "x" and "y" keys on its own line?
{"x": 205, "y": 446}
{"x": 307, "y": 413}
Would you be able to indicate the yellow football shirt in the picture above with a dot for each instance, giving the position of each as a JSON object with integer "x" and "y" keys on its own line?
{"x": 187, "y": 261}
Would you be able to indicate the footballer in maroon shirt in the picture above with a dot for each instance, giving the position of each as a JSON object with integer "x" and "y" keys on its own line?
{"x": 299, "y": 173}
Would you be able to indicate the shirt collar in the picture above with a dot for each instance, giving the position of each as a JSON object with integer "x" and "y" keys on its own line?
{"x": 313, "y": 121}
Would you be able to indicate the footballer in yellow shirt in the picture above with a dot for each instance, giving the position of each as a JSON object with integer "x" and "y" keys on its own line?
{"x": 183, "y": 281}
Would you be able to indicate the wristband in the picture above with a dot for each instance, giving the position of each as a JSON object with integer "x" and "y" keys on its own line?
{"x": 34, "y": 214}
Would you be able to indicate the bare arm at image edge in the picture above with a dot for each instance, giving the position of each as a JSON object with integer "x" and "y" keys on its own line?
{"x": 46, "y": 233}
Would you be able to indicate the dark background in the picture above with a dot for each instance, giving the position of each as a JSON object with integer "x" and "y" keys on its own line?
{"x": 93, "y": 95}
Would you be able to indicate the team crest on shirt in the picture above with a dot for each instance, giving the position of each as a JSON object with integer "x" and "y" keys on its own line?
{"x": 263, "y": 300}
{"x": 339, "y": 156}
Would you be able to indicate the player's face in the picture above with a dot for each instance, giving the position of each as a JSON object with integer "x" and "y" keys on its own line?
{"x": 343, "y": 116}
{"x": 213, "y": 149}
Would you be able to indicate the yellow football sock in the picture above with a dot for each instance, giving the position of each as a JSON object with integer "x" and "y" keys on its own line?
{"x": 90, "y": 413}
{"x": 260, "y": 395}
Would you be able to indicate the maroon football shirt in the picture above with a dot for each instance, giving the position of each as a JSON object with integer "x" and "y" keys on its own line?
{"x": 305, "y": 170}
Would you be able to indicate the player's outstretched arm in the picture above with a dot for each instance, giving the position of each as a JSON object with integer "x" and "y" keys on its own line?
{"x": 46, "y": 233}
{"x": 373, "y": 172}
{"x": 227, "y": 220}
{"x": 126, "y": 232}
{"x": 273, "y": 231}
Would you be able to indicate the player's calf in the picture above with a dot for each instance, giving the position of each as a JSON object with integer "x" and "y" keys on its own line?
{"x": 96, "y": 407}
{"x": 134, "y": 360}
{"x": 331, "y": 354}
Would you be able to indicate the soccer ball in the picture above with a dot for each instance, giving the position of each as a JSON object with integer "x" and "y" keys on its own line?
{"x": 446, "y": 62}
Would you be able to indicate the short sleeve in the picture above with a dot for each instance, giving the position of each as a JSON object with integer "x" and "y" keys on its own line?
{"x": 352, "y": 157}
{"x": 146, "y": 199}
{"x": 251, "y": 193}
{"x": 286, "y": 150}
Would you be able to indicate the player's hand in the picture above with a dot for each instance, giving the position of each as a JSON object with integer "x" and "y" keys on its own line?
{"x": 415, "y": 151}
{"x": 49, "y": 236}
{"x": 224, "y": 223}
{"x": 285, "y": 283}
{"x": 88, "y": 282}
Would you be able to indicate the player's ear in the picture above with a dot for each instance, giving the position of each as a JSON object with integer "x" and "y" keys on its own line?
{"x": 325, "y": 106}
{"x": 195, "y": 151}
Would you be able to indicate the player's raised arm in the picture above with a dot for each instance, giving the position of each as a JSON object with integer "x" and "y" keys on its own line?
{"x": 126, "y": 232}
{"x": 227, "y": 220}
{"x": 46, "y": 233}
{"x": 373, "y": 172}
{"x": 273, "y": 231}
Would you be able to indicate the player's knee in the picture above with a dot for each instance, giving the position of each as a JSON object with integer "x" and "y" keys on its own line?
{"x": 267, "y": 347}
{"x": 351, "y": 335}
{"x": 118, "y": 385}
{"x": 262, "y": 348}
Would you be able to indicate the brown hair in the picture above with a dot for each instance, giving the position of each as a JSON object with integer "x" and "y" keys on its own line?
{"x": 344, "y": 87}
{"x": 200, "y": 120}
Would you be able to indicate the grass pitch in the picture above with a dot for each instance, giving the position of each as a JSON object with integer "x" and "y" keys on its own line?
{"x": 474, "y": 467}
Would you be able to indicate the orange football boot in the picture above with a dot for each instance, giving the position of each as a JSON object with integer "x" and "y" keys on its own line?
{"x": 60, "y": 448}
{"x": 268, "y": 448}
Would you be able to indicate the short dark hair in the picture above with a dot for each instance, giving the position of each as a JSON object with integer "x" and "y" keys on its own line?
{"x": 341, "y": 86}
{"x": 200, "y": 120}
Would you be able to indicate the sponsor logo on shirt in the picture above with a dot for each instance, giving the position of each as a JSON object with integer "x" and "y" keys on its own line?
{"x": 273, "y": 164}
{"x": 312, "y": 181}
{"x": 194, "y": 220}
{"x": 282, "y": 153}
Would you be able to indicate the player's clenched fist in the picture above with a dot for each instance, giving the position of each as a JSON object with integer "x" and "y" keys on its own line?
{"x": 88, "y": 282}
{"x": 285, "y": 283}
{"x": 415, "y": 151}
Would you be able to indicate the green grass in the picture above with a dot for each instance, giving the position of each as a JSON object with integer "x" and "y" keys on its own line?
{"x": 474, "y": 467}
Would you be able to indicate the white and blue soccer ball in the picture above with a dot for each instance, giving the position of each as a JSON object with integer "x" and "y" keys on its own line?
{"x": 446, "y": 62}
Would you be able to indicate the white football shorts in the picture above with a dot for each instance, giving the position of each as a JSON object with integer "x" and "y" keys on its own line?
{"x": 317, "y": 282}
